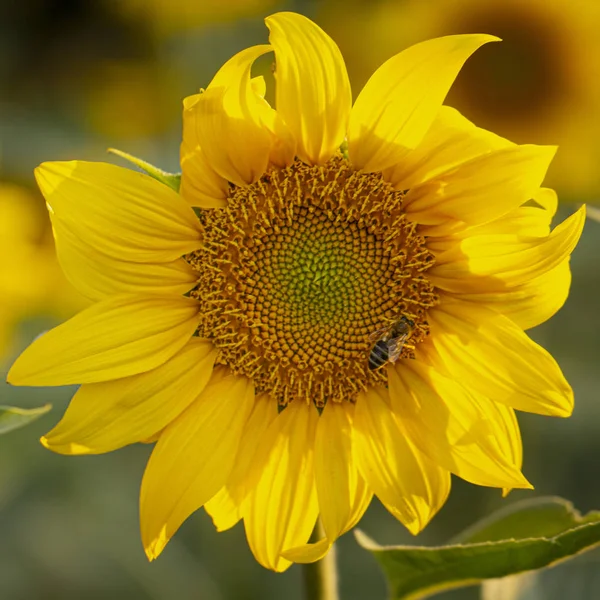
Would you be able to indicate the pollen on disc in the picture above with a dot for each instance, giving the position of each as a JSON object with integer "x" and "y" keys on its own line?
{"x": 300, "y": 269}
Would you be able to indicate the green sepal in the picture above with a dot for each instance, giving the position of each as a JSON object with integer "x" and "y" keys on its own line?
{"x": 525, "y": 536}
{"x": 12, "y": 417}
{"x": 173, "y": 180}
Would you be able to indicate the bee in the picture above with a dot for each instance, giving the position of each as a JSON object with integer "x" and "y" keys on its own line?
{"x": 388, "y": 342}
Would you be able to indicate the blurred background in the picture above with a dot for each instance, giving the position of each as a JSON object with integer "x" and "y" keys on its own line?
{"x": 79, "y": 76}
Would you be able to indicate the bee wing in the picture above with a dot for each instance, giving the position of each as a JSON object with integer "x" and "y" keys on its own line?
{"x": 395, "y": 346}
{"x": 377, "y": 335}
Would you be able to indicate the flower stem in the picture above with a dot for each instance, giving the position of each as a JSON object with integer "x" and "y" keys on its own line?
{"x": 320, "y": 578}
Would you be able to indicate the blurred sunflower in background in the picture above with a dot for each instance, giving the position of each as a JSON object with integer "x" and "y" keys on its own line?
{"x": 31, "y": 282}
{"x": 542, "y": 85}
{"x": 333, "y": 305}
{"x": 139, "y": 96}
{"x": 112, "y": 99}
{"x": 168, "y": 16}
{"x": 106, "y": 70}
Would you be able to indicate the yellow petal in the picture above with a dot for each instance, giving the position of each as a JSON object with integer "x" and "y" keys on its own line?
{"x": 359, "y": 503}
{"x": 532, "y": 219}
{"x": 339, "y": 485}
{"x": 282, "y": 510}
{"x": 283, "y": 151}
{"x": 509, "y": 437}
{"x": 481, "y": 189}
{"x": 224, "y": 510}
{"x": 201, "y": 185}
{"x": 451, "y": 140}
{"x": 532, "y": 302}
{"x": 192, "y": 459}
{"x": 525, "y": 221}
{"x": 227, "y": 505}
{"x": 457, "y": 430}
{"x": 240, "y": 482}
{"x": 496, "y": 359}
{"x": 124, "y": 214}
{"x": 494, "y": 263}
{"x": 109, "y": 415}
{"x": 341, "y": 491}
{"x": 313, "y": 91}
{"x": 409, "y": 485}
{"x": 547, "y": 199}
{"x": 400, "y": 101}
{"x": 309, "y": 553}
{"x": 229, "y": 121}
{"x": 97, "y": 275}
{"x": 114, "y": 338}
{"x": 259, "y": 86}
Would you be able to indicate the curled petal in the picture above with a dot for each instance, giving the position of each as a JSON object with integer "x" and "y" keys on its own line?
{"x": 402, "y": 98}
{"x": 201, "y": 185}
{"x": 313, "y": 90}
{"x": 228, "y": 118}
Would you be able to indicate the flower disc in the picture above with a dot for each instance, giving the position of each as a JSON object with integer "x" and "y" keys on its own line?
{"x": 301, "y": 269}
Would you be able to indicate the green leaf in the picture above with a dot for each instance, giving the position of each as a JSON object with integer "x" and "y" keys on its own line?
{"x": 536, "y": 517}
{"x": 525, "y": 536}
{"x": 577, "y": 578}
{"x": 12, "y": 417}
{"x": 173, "y": 180}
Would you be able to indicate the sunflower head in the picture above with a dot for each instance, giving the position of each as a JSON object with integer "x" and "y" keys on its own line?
{"x": 333, "y": 305}
{"x": 299, "y": 270}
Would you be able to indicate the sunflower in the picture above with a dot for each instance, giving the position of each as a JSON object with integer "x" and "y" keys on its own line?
{"x": 235, "y": 321}
{"x": 541, "y": 86}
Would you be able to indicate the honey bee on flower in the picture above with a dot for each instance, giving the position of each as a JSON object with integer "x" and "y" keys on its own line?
{"x": 236, "y": 339}
{"x": 389, "y": 342}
